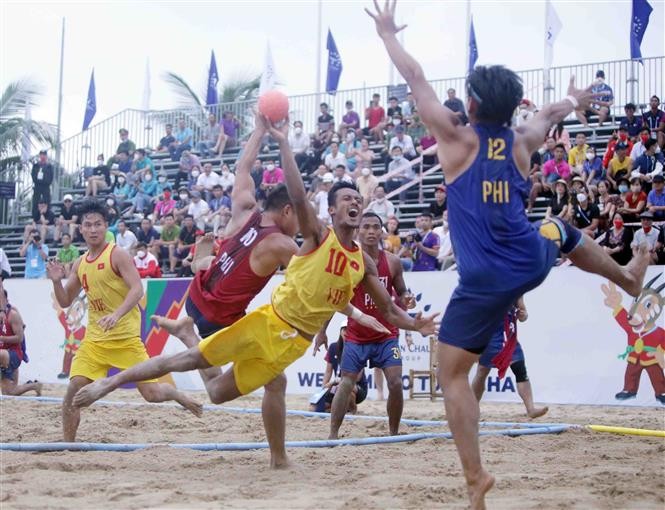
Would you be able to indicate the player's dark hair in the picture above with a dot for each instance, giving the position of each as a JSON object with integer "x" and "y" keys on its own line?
{"x": 278, "y": 198}
{"x": 336, "y": 187}
{"x": 92, "y": 206}
{"x": 655, "y": 97}
{"x": 497, "y": 90}
{"x": 371, "y": 214}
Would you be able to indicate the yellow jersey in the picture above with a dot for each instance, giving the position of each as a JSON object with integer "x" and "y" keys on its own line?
{"x": 318, "y": 284}
{"x": 106, "y": 291}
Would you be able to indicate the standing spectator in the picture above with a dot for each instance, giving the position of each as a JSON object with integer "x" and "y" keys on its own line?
{"x": 325, "y": 127}
{"x": 646, "y": 235}
{"x": 620, "y": 165}
{"x": 206, "y": 181}
{"x": 183, "y": 140}
{"x": 100, "y": 179}
{"x": 125, "y": 238}
{"x": 366, "y": 183}
{"x": 656, "y": 198}
{"x": 577, "y": 155}
{"x": 209, "y": 137}
{"x": 167, "y": 142}
{"x": 617, "y": 241}
{"x": 654, "y": 119}
{"x": 630, "y": 122}
{"x": 198, "y": 210}
{"x": 427, "y": 246}
{"x": 146, "y": 263}
{"x": 42, "y": 178}
{"x": 36, "y": 255}
{"x": 147, "y": 235}
{"x": 5, "y": 266}
{"x": 400, "y": 172}
{"x": 404, "y": 142}
{"x": 66, "y": 222}
{"x": 43, "y": 220}
{"x": 336, "y": 157}
{"x": 227, "y": 179}
{"x": 68, "y": 254}
{"x": 586, "y": 214}
{"x": 220, "y": 209}
{"x": 321, "y": 199}
{"x": 299, "y": 143}
{"x": 381, "y": 206}
{"x": 456, "y": 105}
{"x": 272, "y": 176}
{"x": 168, "y": 241}
{"x": 375, "y": 116}
{"x": 228, "y": 136}
{"x": 440, "y": 203}
{"x": 187, "y": 237}
{"x": 189, "y": 168}
{"x": 350, "y": 120}
{"x": 165, "y": 205}
{"x": 125, "y": 145}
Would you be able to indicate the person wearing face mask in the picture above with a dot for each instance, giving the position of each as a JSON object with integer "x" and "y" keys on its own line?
{"x": 146, "y": 263}
{"x": 227, "y": 179}
{"x": 635, "y": 201}
{"x": 121, "y": 189}
{"x": 592, "y": 169}
{"x": 620, "y": 165}
{"x": 619, "y": 137}
{"x": 640, "y": 146}
{"x": 99, "y": 180}
{"x": 182, "y": 204}
{"x": 189, "y": 168}
{"x": 367, "y": 183}
{"x": 400, "y": 139}
{"x": 647, "y": 235}
{"x": 381, "y": 206}
{"x": 349, "y": 147}
{"x": 300, "y": 145}
{"x": 608, "y": 204}
{"x": 617, "y": 241}
{"x": 146, "y": 190}
{"x": 272, "y": 176}
{"x": 400, "y": 172}
{"x": 630, "y": 122}
{"x": 586, "y": 214}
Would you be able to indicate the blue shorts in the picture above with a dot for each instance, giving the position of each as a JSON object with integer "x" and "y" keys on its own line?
{"x": 206, "y": 328}
{"x": 14, "y": 363}
{"x": 494, "y": 348}
{"x": 379, "y": 354}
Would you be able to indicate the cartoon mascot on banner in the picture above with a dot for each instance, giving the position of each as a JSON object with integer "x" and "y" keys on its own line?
{"x": 72, "y": 322}
{"x": 646, "y": 339}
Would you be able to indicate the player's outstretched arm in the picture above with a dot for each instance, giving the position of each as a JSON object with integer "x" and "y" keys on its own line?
{"x": 65, "y": 295}
{"x": 243, "y": 195}
{"x": 124, "y": 265}
{"x": 441, "y": 121}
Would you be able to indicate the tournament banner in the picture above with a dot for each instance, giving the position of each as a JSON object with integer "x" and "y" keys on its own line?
{"x": 581, "y": 336}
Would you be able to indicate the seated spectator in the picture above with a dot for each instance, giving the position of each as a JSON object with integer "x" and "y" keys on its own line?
{"x": 415, "y": 129}
{"x": 165, "y": 205}
{"x": 340, "y": 174}
{"x": 620, "y": 137}
{"x": 325, "y": 127}
{"x": 577, "y": 155}
{"x": 375, "y": 116}
{"x": 66, "y": 222}
{"x": 525, "y": 112}
{"x": 559, "y": 204}
{"x": 168, "y": 242}
{"x": 630, "y": 122}
{"x": 99, "y": 180}
{"x": 300, "y": 145}
{"x": 586, "y": 214}
{"x": 320, "y": 199}
{"x": 381, "y": 206}
{"x": 183, "y": 140}
{"x": 125, "y": 238}
{"x": 363, "y": 155}
{"x": 408, "y": 106}
{"x": 122, "y": 165}
{"x": 209, "y": 137}
{"x": 427, "y": 245}
{"x": 189, "y": 168}
{"x": 186, "y": 267}
{"x": 599, "y": 87}
{"x": 147, "y": 235}
{"x": 635, "y": 201}
{"x": 36, "y": 255}
{"x": 146, "y": 263}
{"x": 456, "y": 105}
{"x": 272, "y": 176}
{"x": 227, "y": 179}
{"x": 548, "y": 149}
{"x": 592, "y": 170}
{"x": 647, "y": 235}
{"x": 122, "y": 190}
{"x": 392, "y": 241}
{"x": 125, "y": 145}
{"x": 617, "y": 241}
{"x": 654, "y": 119}
{"x": 650, "y": 162}
{"x": 228, "y": 136}
{"x": 198, "y": 209}
{"x": 404, "y": 142}
{"x": 146, "y": 191}
{"x": 620, "y": 165}
{"x": 427, "y": 142}
{"x": 608, "y": 204}
{"x": 335, "y": 157}
{"x": 553, "y": 170}
{"x": 142, "y": 164}
{"x": 400, "y": 172}
{"x": 182, "y": 204}
{"x": 440, "y": 203}
{"x": 656, "y": 198}
{"x": 5, "y": 266}
{"x": 366, "y": 183}
{"x": 349, "y": 148}
{"x": 446, "y": 256}
{"x": 167, "y": 142}
{"x": 206, "y": 181}
{"x": 43, "y": 220}
{"x": 639, "y": 147}
{"x": 68, "y": 254}
{"x": 220, "y": 209}
{"x": 350, "y": 120}
{"x": 623, "y": 186}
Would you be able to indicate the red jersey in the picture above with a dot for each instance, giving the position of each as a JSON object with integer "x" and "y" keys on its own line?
{"x": 223, "y": 291}
{"x": 6, "y": 330}
{"x": 362, "y": 301}
{"x": 374, "y": 116}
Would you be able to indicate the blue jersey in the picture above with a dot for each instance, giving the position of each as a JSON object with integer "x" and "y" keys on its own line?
{"x": 496, "y": 247}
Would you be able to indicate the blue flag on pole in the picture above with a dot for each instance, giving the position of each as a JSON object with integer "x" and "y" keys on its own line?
{"x": 334, "y": 65}
{"x": 90, "y": 104}
{"x": 639, "y": 21}
{"x": 213, "y": 79}
{"x": 473, "y": 48}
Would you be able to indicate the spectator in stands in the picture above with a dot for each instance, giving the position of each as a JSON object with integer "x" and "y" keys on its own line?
{"x": 66, "y": 222}
{"x": 256, "y": 173}
{"x": 122, "y": 165}
{"x": 381, "y": 206}
{"x": 560, "y": 135}
{"x": 183, "y": 140}
{"x": 340, "y": 174}
{"x": 392, "y": 241}
{"x": 427, "y": 245}
{"x": 440, "y": 203}
{"x": 68, "y": 254}
{"x": 366, "y": 183}
{"x": 617, "y": 241}
{"x": 646, "y": 235}
{"x": 5, "y": 266}
{"x": 364, "y": 155}
{"x": 394, "y": 109}
{"x": 525, "y": 112}
{"x": 147, "y": 235}
{"x": 167, "y": 142}
{"x": 408, "y": 106}
{"x": 142, "y": 164}
{"x": 586, "y": 214}
{"x": 209, "y": 137}
{"x": 415, "y": 129}
{"x": 654, "y": 119}
{"x": 125, "y": 145}
{"x": 456, "y": 105}
{"x": 189, "y": 168}
{"x": 146, "y": 263}
{"x": 656, "y": 198}
{"x": 603, "y": 111}
{"x": 317, "y": 179}
{"x": 630, "y": 122}
{"x": 349, "y": 148}
{"x": 446, "y": 256}
{"x": 375, "y": 116}
{"x": 608, "y": 204}
{"x": 168, "y": 241}
{"x": 325, "y": 127}
{"x": 620, "y": 165}
{"x": 43, "y": 220}
{"x": 145, "y": 190}
{"x": 427, "y": 144}
{"x": 272, "y": 176}
{"x": 36, "y": 255}
{"x": 559, "y": 204}
{"x": 227, "y": 179}
{"x": 321, "y": 199}
{"x": 206, "y": 181}
{"x": 593, "y": 170}
{"x": 621, "y": 136}
{"x": 125, "y": 238}
{"x": 220, "y": 209}
{"x": 336, "y": 157}
{"x": 229, "y": 134}
{"x": 577, "y": 155}
{"x": 182, "y": 204}
{"x": 635, "y": 201}
{"x": 548, "y": 152}
{"x": 404, "y": 142}
{"x": 99, "y": 180}
{"x": 165, "y": 205}
{"x": 350, "y": 120}
{"x": 42, "y": 178}
{"x": 553, "y": 170}
{"x": 198, "y": 209}
{"x": 650, "y": 162}
{"x": 640, "y": 144}
{"x": 300, "y": 145}
{"x": 187, "y": 237}
{"x": 400, "y": 172}
{"x": 121, "y": 189}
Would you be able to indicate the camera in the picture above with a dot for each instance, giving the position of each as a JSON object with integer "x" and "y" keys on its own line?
{"x": 416, "y": 236}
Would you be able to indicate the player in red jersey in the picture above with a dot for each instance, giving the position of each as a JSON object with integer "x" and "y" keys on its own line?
{"x": 364, "y": 344}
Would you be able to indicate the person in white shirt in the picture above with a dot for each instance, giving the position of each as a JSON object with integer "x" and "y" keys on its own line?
{"x": 381, "y": 206}
{"x": 335, "y": 157}
{"x": 446, "y": 256}
{"x": 367, "y": 183}
{"x": 404, "y": 142}
{"x": 400, "y": 172}
{"x": 298, "y": 141}
{"x": 646, "y": 235}
{"x": 340, "y": 174}
{"x": 125, "y": 238}
{"x": 206, "y": 181}
{"x": 198, "y": 208}
{"x": 321, "y": 199}
{"x": 227, "y": 179}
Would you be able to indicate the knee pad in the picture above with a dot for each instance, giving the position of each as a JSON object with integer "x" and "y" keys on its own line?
{"x": 519, "y": 369}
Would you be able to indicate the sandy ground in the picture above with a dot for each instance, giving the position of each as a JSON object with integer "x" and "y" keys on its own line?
{"x": 576, "y": 469}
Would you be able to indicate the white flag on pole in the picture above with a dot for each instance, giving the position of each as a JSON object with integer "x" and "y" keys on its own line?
{"x": 552, "y": 28}
{"x": 269, "y": 76}
{"x": 145, "y": 104}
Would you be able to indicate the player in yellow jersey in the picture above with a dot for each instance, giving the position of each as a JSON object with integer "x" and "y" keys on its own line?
{"x": 112, "y": 337}
{"x": 319, "y": 281}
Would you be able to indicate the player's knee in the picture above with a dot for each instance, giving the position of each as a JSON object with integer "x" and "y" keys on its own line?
{"x": 150, "y": 392}
{"x": 519, "y": 369}
{"x": 278, "y": 384}
{"x": 394, "y": 384}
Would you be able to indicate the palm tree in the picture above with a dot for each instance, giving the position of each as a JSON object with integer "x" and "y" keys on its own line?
{"x": 238, "y": 88}
{"x": 19, "y": 133}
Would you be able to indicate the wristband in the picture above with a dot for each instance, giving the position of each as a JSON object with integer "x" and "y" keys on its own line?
{"x": 573, "y": 101}
{"x": 356, "y": 314}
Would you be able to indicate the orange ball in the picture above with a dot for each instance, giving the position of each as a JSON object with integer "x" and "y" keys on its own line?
{"x": 274, "y": 105}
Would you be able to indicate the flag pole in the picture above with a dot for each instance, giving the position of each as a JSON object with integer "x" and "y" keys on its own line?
{"x": 546, "y": 69}
{"x": 318, "y": 52}
{"x": 468, "y": 35}
{"x": 58, "y": 136}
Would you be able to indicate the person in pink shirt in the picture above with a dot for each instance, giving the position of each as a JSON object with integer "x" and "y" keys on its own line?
{"x": 164, "y": 206}
{"x": 272, "y": 176}
{"x": 553, "y": 170}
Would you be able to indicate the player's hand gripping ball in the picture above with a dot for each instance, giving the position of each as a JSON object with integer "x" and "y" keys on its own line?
{"x": 274, "y": 105}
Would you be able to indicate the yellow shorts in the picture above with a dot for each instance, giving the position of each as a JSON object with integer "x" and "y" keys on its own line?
{"x": 93, "y": 359}
{"x": 260, "y": 345}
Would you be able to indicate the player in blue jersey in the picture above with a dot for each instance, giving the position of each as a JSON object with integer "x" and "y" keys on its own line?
{"x": 500, "y": 255}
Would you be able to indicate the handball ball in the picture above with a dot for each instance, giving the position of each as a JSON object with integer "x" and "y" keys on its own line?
{"x": 274, "y": 105}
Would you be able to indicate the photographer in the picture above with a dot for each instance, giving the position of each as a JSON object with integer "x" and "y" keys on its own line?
{"x": 36, "y": 255}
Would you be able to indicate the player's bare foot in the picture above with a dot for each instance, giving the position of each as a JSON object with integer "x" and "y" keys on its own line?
{"x": 38, "y": 388}
{"x": 635, "y": 271}
{"x": 180, "y": 328}
{"x": 91, "y": 393}
{"x": 190, "y": 404}
{"x": 478, "y": 488}
{"x": 279, "y": 462}
{"x": 537, "y": 412}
